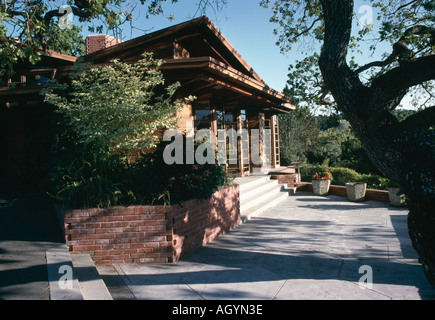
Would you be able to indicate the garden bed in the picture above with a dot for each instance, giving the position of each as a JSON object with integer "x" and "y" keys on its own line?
{"x": 151, "y": 234}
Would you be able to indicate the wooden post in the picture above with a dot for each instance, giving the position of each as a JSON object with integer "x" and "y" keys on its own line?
{"x": 240, "y": 144}
{"x": 272, "y": 128}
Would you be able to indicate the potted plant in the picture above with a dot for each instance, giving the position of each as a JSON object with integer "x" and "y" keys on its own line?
{"x": 356, "y": 191}
{"x": 396, "y": 196}
{"x": 321, "y": 182}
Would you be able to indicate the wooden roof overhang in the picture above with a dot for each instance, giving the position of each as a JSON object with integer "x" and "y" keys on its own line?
{"x": 27, "y": 85}
{"x": 206, "y": 75}
{"x": 213, "y": 66}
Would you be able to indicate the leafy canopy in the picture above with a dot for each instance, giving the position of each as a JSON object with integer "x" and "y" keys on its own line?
{"x": 120, "y": 106}
{"x": 28, "y": 27}
{"x": 402, "y": 28}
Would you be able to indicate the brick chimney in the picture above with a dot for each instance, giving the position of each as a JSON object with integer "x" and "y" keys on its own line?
{"x": 99, "y": 42}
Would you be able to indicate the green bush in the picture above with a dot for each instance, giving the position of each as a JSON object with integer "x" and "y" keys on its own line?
{"x": 80, "y": 177}
{"x": 344, "y": 175}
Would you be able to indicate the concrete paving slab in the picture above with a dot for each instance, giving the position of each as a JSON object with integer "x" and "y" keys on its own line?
{"x": 239, "y": 282}
{"x": 398, "y": 280}
{"x": 306, "y": 247}
{"x": 160, "y": 282}
{"x": 326, "y": 290}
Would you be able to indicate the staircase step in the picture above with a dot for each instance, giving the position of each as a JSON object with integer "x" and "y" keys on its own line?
{"x": 258, "y": 194}
{"x": 258, "y": 190}
{"x": 62, "y": 279}
{"x": 91, "y": 284}
{"x": 247, "y": 183}
{"x": 267, "y": 190}
{"x": 74, "y": 277}
{"x": 266, "y": 198}
{"x": 262, "y": 207}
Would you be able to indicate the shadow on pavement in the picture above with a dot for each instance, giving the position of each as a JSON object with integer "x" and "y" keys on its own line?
{"x": 29, "y": 226}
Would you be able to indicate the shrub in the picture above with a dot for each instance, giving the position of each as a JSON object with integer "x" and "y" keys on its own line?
{"x": 81, "y": 179}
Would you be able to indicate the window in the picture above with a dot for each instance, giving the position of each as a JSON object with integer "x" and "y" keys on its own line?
{"x": 202, "y": 118}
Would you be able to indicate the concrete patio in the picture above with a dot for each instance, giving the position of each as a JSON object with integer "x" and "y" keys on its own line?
{"x": 305, "y": 247}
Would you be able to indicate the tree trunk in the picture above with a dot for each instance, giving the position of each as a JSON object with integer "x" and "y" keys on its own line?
{"x": 402, "y": 152}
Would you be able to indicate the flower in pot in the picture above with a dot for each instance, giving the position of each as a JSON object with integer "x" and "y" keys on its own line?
{"x": 321, "y": 182}
{"x": 356, "y": 191}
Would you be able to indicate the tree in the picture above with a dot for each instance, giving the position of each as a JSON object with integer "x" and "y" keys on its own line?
{"x": 299, "y": 131}
{"x": 67, "y": 41}
{"x": 403, "y": 151}
{"x": 26, "y": 26}
{"x": 120, "y": 106}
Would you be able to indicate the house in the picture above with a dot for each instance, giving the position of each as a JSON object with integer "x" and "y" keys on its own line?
{"x": 22, "y": 109}
{"x": 230, "y": 94}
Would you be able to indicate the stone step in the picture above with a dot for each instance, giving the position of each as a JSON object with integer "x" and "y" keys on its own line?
{"x": 265, "y": 197}
{"x": 263, "y": 206}
{"x": 247, "y": 183}
{"x": 258, "y": 194}
{"x": 257, "y": 189}
{"x": 74, "y": 277}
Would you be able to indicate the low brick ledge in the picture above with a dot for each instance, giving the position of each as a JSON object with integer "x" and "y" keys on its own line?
{"x": 151, "y": 234}
{"x": 371, "y": 194}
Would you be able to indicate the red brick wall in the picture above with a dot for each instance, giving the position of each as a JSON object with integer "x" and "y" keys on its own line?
{"x": 199, "y": 222}
{"x": 99, "y": 42}
{"x": 290, "y": 179}
{"x": 151, "y": 234}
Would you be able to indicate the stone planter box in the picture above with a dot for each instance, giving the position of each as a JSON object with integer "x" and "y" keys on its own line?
{"x": 356, "y": 191}
{"x": 397, "y": 198}
{"x": 321, "y": 187}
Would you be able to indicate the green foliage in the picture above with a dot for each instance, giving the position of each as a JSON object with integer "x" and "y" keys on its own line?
{"x": 106, "y": 122}
{"x": 80, "y": 179}
{"x": 300, "y": 25}
{"x": 298, "y": 131}
{"x": 322, "y": 175}
{"x": 28, "y": 28}
{"x": 67, "y": 41}
{"x": 173, "y": 184}
{"x": 118, "y": 106}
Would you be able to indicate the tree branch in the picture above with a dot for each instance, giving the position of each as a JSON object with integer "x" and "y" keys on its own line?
{"x": 55, "y": 13}
{"x": 398, "y": 80}
{"x": 424, "y": 119}
{"x": 400, "y": 48}
{"x": 338, "y": 77}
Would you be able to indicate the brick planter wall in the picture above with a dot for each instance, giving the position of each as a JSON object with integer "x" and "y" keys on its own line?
{"x": 291, "y": 179}
{"x": 151, "y": 234}
{"x": 371, "y": 194}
